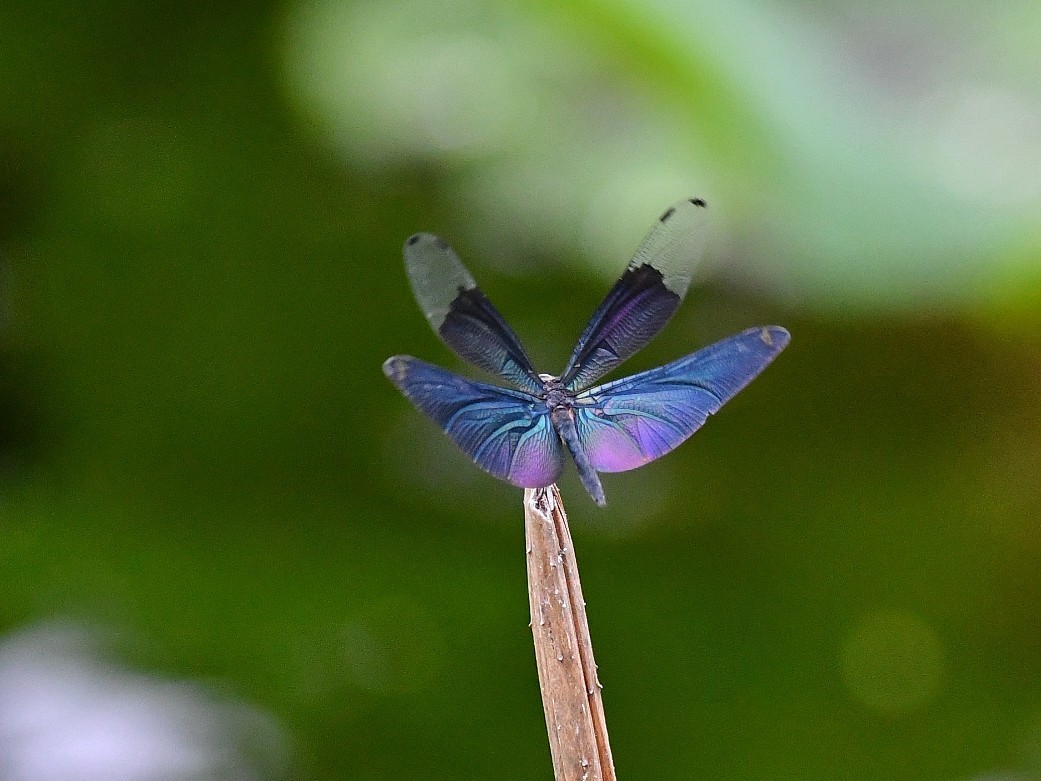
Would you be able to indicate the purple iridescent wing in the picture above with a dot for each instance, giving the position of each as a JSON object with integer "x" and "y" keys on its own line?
{"x": 644, "y": 298}
{"x": 507, "y": 433}
{"x": 460, "y": 314}
{"x": 629, "y": 422}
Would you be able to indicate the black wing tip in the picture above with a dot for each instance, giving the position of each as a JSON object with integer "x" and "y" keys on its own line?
{"x": 667, "y": 214}
{"x": 416, "y": 238}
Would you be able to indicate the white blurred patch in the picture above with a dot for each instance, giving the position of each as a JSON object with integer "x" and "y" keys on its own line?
{"x": 543, "y": 134}
{"x": 988, "y": 147}
{"x": 396, "y": 80}
{"x": 818, "y": 136}
{"x": 67, "y": 715}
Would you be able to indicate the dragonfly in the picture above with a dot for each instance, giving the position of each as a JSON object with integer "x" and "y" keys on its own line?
{"x": 519, "y": 434}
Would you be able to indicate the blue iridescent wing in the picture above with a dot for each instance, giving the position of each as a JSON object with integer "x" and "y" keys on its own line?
{"x": 644, "y": 298}
{"x": 507, "y": 433}
{"x": 629, "y": 422}
{"x": 460, "y": 313}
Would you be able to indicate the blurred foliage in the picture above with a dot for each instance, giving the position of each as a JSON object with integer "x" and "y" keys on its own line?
{"x": 201, "y": 213}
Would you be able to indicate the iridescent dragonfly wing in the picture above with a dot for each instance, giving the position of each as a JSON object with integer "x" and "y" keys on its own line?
{"x": 644, "y": 298}
{"x": 629, "y": 422}
{"x": 507, "y": 433}
{"x": 460, "y": 313}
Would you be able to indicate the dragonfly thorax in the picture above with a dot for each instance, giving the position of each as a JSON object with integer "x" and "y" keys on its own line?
{"x": 554, "y": 392}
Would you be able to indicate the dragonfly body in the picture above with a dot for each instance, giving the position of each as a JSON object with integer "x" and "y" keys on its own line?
{"x": 519, "y": 435}
{"x": 561, "y": 403}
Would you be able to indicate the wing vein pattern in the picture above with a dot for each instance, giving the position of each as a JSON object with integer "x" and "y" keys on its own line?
{"x": 629, "y": 422}
{"x": 507, "y": 433}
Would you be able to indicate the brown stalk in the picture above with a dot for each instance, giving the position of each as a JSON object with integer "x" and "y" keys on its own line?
{"x": 563, "y": 651}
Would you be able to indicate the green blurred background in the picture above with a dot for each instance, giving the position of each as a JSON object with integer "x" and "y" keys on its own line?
{"x": 230, "y": 550}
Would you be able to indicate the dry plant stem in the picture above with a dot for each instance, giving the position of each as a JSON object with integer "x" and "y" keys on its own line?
{"x": 563, "y": 651}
